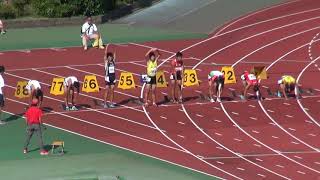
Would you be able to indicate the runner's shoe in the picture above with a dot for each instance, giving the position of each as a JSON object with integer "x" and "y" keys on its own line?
{"x": 67, "y": 108}
{"x": 2, "y": 122}
{"x": 74, "y": 108}
{"x": 218, "y": 100}
{"x": 44, "y": 153}
{"x": 112, "y": 105}
{"x": 25, "y": 151}
{"x": 212, "y": 100}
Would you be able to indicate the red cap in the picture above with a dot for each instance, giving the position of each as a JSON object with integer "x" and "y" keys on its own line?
{"x": 34, "y": 101}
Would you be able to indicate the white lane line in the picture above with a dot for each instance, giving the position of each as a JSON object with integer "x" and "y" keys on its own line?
{"x": 269, "y": 110}
{"x": 216, "y": 120}
{"x": 217, "y": 108}
{"x": 259, "y": 159}
{"x": 280, "y": 166}
{"x": 199, "y": 115}
{"x": 180, "y": 136}
{"x": 253, "y": 106}
{"x": 292, "y": 129}
{"x": 218, "y": 147}
{"x": 254, "y": 131}
{"x": 301, "y": 172}
{"x": 142, "y": 65}
{"x": 287, "y": 104}
{"x": 275, "y": 137}
{"x": 235, "y": 113}
{"x": 271, "y": 123}
{"x": 241, "y": 169}
{"x": 257, "y": 145}
{"x": 180, "y": 110}
{"x": 293, "y": 142}
{"x": 253, "y": 118}
{"x": 163, "y": 117}
{"x": 220, "y": 162}
{"x": 236, "y": 139}
{"x": 200, "y": 142}
{"x": 298, "y": 157}
{"x": 307, "y": 121}
{"x": 313, "y": 135}
{"x": 318, "y": 163}
{"x": 262, "y": 175}
{"x": 289, "y": 116}
{"x": 218, "y": 134}
{"x": 181, "y": 123}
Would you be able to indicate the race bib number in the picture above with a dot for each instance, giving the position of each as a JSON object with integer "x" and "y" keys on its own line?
{"x": 90, "y": 84}
{"x": 252, "y": 77}
{"x": 161, "y": 80}
{"x": 57, "y": 86}
{"x": 126, "y": 81}
{"x": 190, "y": 77}
{"x": 230, "y": 77}
{"x": 111, "y": 69}
{"x": 21, "y": 91}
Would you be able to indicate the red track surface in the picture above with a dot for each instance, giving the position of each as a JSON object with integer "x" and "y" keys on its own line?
{"x": 273, "y": 139}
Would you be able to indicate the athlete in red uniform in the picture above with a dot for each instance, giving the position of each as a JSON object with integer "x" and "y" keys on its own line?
{"x": 250, "y": 80}
{"x": 176, "y": 77}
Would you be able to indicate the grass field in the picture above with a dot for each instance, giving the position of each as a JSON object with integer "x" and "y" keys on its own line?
{"x": 29, "y": 38}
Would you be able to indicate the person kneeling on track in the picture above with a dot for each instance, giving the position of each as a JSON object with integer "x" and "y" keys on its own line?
{"x": 287, "y": 84}
{"x": 250, "y": 80}
{"x": 34, "y": 89}
{"x": 216, "y": 80}
{"x": 34, "y": 122}
{"x": 110, "y": 77}
{"x": 176, "y": 77}
{"x": 71, "y": 84}
{"x": 151, "y": 84}
{"x": 89, "y": 31}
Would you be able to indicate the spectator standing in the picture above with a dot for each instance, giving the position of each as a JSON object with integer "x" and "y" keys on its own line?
{"x": 2, "y": 69}
{"x": 2, "y": 28}
{"x": 89, "y": 31}
{"x": 34, "y": 122}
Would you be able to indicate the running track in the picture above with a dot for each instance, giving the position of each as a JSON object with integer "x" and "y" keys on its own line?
{"x": 272, "y": 139}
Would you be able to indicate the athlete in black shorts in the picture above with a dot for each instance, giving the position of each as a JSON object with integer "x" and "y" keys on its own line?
{"x": 110, "y": 77}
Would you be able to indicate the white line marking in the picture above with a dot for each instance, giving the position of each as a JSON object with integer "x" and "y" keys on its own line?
{"x": 298, "y": 157}
{"x": 270, "y": 110}
{"x": 280, "y": 166}
{"x": 293, "y": 142}
{"x": 301, "y": 172}
{"x": 181, "y": 123}
{"x": 216, "y": 120}
{"x": 275, "y": 137}
{"x": 253, "y": 118}
{"x": 163, "y": 117}
{"x": 218, "y": 134}
{"x": 257, "y": 132}
{"x": 289, "y": 116}
{"x": 236, "y": 139}
{"x": 199, "y": 115}
{"x": 180, "y": 136}
{"x": 262, "y": 175}
{"x": 219, "y": 162}
{"x": 292, "y": 129}
{"x": 200, "y": 142}
{"x": 235, "y": 113}
{"x": 241, "y": 169}
{"x": 253, "y": 106}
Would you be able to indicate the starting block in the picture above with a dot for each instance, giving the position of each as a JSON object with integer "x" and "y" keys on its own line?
{"x": 57, "y": 144}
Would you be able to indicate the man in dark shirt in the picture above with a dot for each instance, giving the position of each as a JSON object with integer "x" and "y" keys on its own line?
{"x": 33, "y": 120}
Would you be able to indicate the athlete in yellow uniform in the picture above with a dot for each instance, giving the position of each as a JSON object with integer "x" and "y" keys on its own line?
{"x": 152, "y": 63}
{"x": 287, "y": 84}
